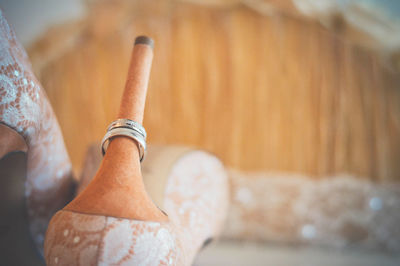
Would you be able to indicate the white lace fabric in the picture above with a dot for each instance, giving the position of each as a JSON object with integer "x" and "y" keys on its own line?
{"x": 339, "y": 211}
{"x": 83, "y": 239}
{"x": 196, "y": 199}
{"x": 25, "y": 108}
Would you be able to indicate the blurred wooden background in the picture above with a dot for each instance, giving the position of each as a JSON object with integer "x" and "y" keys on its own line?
{"x": 262, "y": 92}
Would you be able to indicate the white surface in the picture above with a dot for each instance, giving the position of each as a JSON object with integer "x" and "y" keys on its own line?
{"x": 31, "y": 18}
{"x": 252, "y": 254}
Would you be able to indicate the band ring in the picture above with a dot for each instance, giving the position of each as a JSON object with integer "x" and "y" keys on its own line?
{"x": 127, "y": 123}
{"x": 127, "y": 128}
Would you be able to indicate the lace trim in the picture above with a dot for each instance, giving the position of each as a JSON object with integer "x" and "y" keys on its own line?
{"x": 338, "y": 211}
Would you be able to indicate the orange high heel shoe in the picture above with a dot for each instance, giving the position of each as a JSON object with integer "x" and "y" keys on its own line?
{"x": 114, "y": 220}
{"x": 190, "y": 185}
{"x": 35, "y": 171}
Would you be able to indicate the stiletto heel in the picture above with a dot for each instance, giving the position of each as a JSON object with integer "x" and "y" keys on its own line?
{"x": 35, "y": 172}
{"x": 115, "y": 221}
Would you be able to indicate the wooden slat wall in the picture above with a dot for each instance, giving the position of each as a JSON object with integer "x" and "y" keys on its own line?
{"x": 263, "y": 93}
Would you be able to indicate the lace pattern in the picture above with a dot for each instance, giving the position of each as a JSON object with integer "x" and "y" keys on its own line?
{"x": 25, "y": 108}
{"x": 196, "y": 199}
{"x": 338, "y": 211}
{"x": 82, "y": 239}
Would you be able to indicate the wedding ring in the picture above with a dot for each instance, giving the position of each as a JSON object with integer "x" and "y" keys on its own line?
{"x": 127, "y": 128}
{"x": 127, "y": 123}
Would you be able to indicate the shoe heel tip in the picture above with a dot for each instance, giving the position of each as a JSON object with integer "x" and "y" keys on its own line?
{"x": 144, "y": 40}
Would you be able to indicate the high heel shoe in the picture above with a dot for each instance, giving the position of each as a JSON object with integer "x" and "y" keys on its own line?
{"x": 35, "y": 171}
{"x": 190, "y": 185}
{"x": 114, "y": 221}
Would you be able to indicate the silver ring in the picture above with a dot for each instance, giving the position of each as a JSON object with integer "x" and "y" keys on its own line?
{"x": 127, "y": 123}
{"x": 127, "y": 132}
